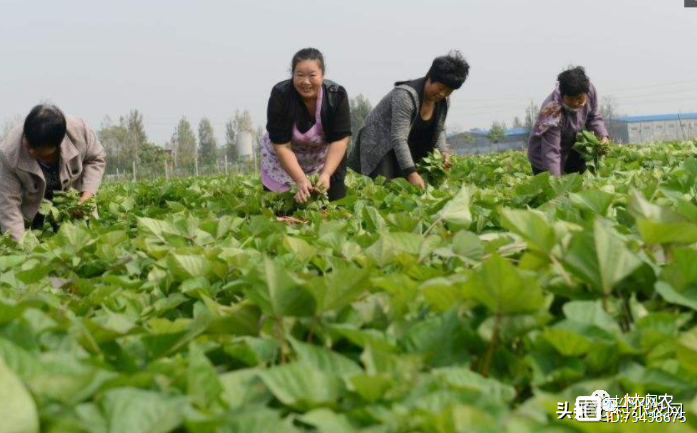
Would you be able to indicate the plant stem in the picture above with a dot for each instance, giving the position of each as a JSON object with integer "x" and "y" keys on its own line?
{"x": 596, "y": 157}
{"x": 486, "y": 361}
{"x": 311, "y": 331}
{"x": 606, "y": 307}
{"x": 432, "y": 226}
{"x": 626, "y": 314}
{"x": 560, "y": 267}
{"x": 281, "y": 340}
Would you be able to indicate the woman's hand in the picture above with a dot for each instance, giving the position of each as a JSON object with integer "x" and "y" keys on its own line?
{"x": 416, "y": 180}
{"x": 86, "y": 195}
{"x": 78, "y": 213}
{"x": 323, "y": 181}
{"x": 446, "y": 161}
{"x": 304, "y": 191}
{"x": 604, "y": 140}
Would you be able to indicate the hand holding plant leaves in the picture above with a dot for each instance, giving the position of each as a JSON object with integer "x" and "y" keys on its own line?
{"x": 67, "y": 206}
{"x": 286, "y": 203}
{"x": 433, "y": 168}
{"x": 591, "y": 148}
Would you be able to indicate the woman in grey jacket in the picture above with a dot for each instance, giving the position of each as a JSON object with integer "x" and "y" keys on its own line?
{"x": 408, "y": 123}
{"x": 49, "y": 152}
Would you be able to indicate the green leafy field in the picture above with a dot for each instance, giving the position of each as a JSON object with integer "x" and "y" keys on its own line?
{"x": 474, "y": 307}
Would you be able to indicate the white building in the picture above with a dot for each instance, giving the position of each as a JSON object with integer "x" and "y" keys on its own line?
{"x": 661, "y": 127}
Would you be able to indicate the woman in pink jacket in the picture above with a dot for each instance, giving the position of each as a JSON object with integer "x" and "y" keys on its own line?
{"x": 572, "y": 107}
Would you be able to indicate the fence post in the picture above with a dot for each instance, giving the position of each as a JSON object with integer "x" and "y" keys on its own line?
{"x": 196, "y": 166}
{"x": 135, "y": 178}
{"x": 226, "y": 163}
{"x": 166, "y": 171}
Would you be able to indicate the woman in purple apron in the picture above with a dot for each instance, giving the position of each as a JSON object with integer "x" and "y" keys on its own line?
{"x": 308, "y": 130}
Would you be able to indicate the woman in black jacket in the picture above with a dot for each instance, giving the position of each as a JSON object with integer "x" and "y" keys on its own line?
{"x": 308, "y": 130}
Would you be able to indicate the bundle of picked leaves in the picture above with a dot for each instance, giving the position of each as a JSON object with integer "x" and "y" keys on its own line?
{"x": 432, "y": 168}
{"x": 591, "y": 148}
{"x": 65, "y": 207}
{"x": 285, "y": 204}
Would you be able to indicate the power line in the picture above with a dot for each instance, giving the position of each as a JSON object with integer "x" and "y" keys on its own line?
{"x": 620, "y": 101}
{"x": 656, "y": 85}
{"x": 654, "y": 94}
{"x": 462, "y": 105}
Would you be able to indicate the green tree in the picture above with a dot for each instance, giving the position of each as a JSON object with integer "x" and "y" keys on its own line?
{"x": 123, "y": 141}
{"x": 360, "y": 108}
{"x": 258, "y": 136}
{"x": 113, "y": 139}
{"x": 497, "y": 132}
{"x": 207, "y": 144}
{"x": 243, "y": 121}
{"x": 136, "y": 131}
{"x": 467, "y": 137}
{"x": 608, "y": 109}
{"x": 184, "y": 144}
{"x": 230, "y": 140}
{"x": 531, "y": 113}
{"x": 151, "y": 159}
{"x": 517, "y": 123}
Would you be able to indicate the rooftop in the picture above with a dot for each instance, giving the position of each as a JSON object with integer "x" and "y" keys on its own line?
{"x": 658, "y": 117}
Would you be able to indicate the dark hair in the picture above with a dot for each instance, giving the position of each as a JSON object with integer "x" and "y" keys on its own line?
{"x": 573, "y": 81}
{"x": 307, "y": 54}
{"x": 44, "y": 127}
{"x": 451, "y": 70}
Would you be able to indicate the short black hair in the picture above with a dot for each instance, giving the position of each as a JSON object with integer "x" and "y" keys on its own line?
{"x": 307, "y": 54}
{"x": 573, "y": 81}
{"x": 451, "y": 70}
{"x": 45, "y": 127}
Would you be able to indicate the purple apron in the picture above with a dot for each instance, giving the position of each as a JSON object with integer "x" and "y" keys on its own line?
{"x": 310, "y": 148}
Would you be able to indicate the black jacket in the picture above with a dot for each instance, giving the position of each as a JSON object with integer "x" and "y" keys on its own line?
{"x": 286, "y": 108}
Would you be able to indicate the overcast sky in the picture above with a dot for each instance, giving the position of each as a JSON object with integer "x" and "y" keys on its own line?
{"x": 207, "y": 58}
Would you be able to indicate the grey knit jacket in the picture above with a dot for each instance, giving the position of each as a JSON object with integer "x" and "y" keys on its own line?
{"x": 387, "y": 127}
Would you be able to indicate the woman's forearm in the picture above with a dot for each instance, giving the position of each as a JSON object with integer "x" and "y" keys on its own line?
{"x": 289, "y": 162}
{"x": 336, "y": 153}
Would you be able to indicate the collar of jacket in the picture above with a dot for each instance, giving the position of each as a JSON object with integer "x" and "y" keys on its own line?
{"x": 416, "y": 89}
{"x": 29, "y": 164}
{"x": 331, "y": 91}
{"x": 441, "y": 110}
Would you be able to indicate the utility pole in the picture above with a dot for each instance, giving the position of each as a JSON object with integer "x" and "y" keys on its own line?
{"x": 681, "y": 130}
